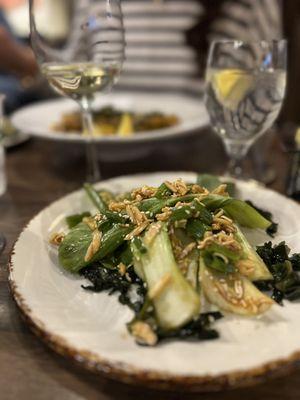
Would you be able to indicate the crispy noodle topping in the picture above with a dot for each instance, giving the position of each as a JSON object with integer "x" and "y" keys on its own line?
{"x": 153, "y": 230}
{"x": 178, "y": 187}
{"x": 145, "y": 192}
{"x": 160, "y": 286}
{"x": 118, "y": 206}
{"x": 137, "y": 231}
{"x": 220, "y": 238}
{"x": 122, "y": 269}
{"x": 91, "y": 222}
{"x": 56, "y": 238}
{"x": 94, "y": 246}
{"x": 221, "y": 190}
{"x": 136, "y": 216}
{"x": 144, "y": 333}
{"x": 223, "y": 223}
{"x": 164, "y": 215}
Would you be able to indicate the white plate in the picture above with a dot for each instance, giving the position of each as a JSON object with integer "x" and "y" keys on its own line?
{"x": 38, "y": 118}
{"x": 91, "y": 327}
{"x": 14, "y": 140}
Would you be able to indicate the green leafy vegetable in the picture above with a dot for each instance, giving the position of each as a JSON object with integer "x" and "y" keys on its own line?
{"x": 220, "y": 258}
{"x": 75, "y": 219}
{"x": 179, "y": 302}
{"x": 154, "y": 206}
{"x": 198, "y": 329}
{"x": 238, "y": 210}
{"x": 286, "y": 281}
{"x": 295, "y": 260}
{"x": 102, "y": 279}
{"x": 192, "y": 210}
{"x": 106, "y": 195}
{"x": 196, "y": 229}
{"x": 163, "y": 191}
{"x": 137, "y": 242}
{"x": 73, "y": 249}
{"x": 162, "y": 272}
{"x": 126, "y": 256}
{"x": 112, "y": 240}
{"x": 211, "y": 182}
{"x": 257, "y": 270}
{"x": 273, "y": 228}
{"x": 95, "y": 198}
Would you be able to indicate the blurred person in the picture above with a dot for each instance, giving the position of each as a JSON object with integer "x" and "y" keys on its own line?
{"x": 17, "y": 66}
{"x": 247, "y": 20}
{"x": 167, "y": 40}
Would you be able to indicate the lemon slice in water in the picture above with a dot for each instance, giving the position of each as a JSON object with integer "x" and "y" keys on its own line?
{"x": 231, "y": 86}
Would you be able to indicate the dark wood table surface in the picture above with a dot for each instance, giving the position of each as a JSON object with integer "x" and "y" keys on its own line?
{"x": 40, "y": 172}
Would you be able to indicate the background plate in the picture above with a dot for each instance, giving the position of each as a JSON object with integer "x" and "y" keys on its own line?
{"x": 37, "y": 119}
{"x": 90, "y": 327}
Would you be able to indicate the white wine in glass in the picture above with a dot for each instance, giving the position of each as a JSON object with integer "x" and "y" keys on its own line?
{"x": 81, "y": 59}
{"x": 80, "y": 80}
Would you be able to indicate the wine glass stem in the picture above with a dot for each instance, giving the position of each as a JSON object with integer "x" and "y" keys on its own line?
{"x": 93, "y": 171}
{"x": 234, "y": 168}
{"x": 236, "y": 152}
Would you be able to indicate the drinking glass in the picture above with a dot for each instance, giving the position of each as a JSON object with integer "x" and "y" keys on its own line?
{"x": 245, "y": 86}
{"x": 79, "y": 45}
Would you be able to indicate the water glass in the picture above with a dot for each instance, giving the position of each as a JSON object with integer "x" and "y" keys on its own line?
{"x": 245, "y": 87}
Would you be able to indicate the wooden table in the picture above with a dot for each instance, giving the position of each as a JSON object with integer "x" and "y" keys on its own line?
{"x": 40, "y": 172}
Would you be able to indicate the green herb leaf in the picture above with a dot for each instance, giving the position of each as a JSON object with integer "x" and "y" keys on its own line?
{"x": 211, "y": 182}
{"x": 75, "y": 219}
{"x": 196, "y": 229}
{"x": 163, "y": 191}
{"x": 273, "y": 228}
{"x": 102, "y": 278}
{"x": 95, "y": 198}
{"x": 73, "y": 248}
{"x": 286, "y": 281}
{"x": 238, "y": 210}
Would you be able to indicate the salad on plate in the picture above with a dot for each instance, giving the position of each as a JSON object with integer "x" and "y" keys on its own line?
{"x": 177, "y": 255}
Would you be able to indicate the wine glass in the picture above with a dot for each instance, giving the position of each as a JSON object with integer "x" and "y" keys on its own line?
{"x": 79, "y": 45}
{"x": 245, "y": 87}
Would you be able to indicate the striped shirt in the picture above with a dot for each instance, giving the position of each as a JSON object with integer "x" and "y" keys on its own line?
{"x": 157, "y": 53}
{"x": 249, "y": 20}
{"x": 166, "y": 38}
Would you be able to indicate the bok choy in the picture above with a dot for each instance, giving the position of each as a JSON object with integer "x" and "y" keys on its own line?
{"x": 169, "y": 250}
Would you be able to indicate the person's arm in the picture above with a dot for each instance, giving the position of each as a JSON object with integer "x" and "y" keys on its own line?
{"x": 15, "y": 57}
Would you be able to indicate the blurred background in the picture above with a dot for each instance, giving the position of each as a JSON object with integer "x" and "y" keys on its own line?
{"x": 166, "y": 52}
{"x": 167, "y": 43}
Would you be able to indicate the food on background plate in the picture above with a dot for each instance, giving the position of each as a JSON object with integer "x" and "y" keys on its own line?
{"x": 178, "y": 257}
{"x": 111, "y": 121}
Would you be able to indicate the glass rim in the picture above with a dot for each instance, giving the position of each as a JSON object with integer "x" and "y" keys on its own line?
{"x": 249, "y": 42}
